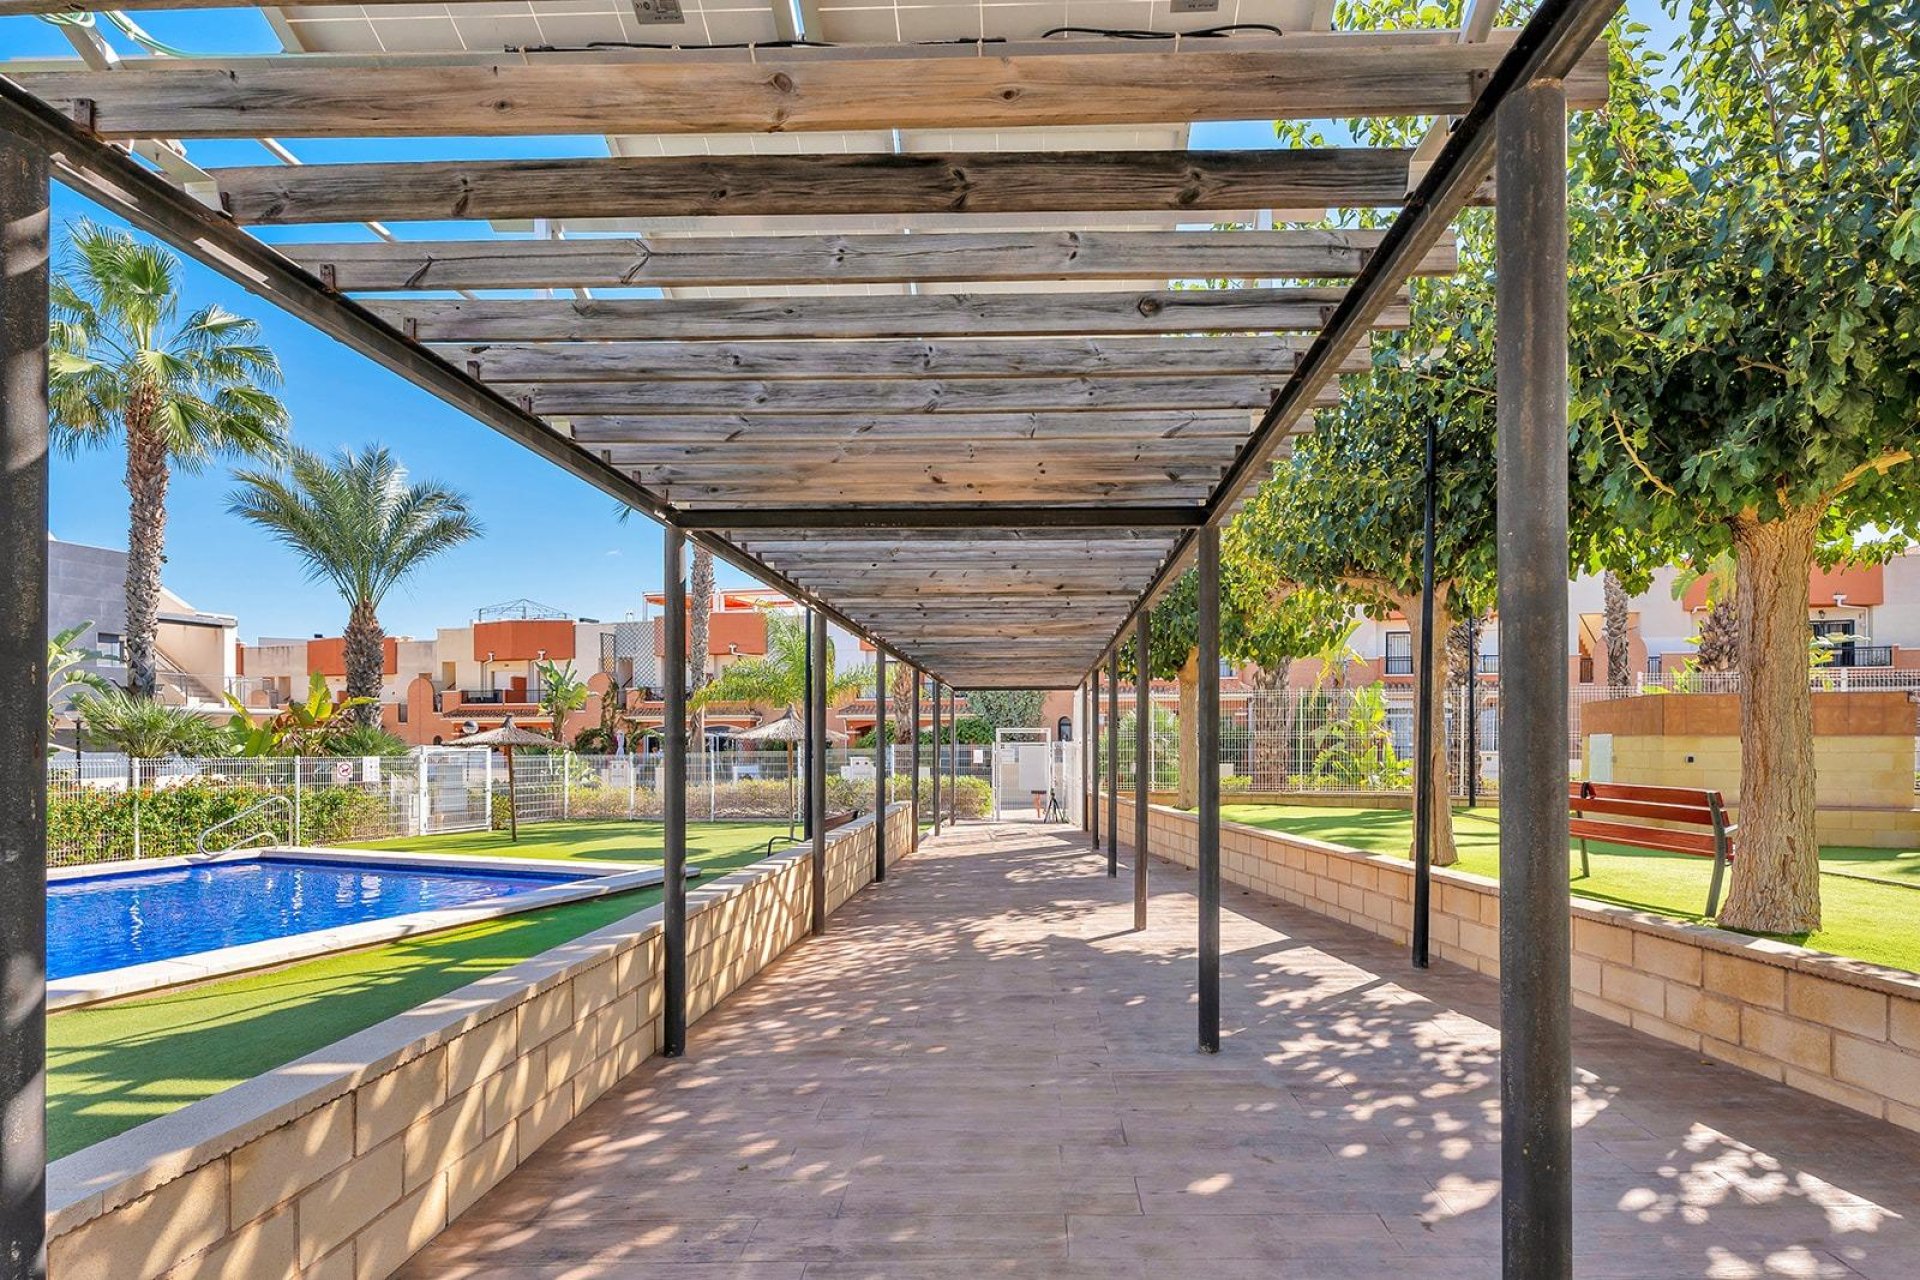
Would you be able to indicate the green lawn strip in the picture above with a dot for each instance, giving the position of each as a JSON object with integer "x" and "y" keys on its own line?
{"x": 1866, "y": 918}
{"x": 111, "y": 1067}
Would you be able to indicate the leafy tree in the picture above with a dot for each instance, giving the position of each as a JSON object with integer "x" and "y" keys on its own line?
{"x": 562, "y": 692}
{"x": 1755, "y": 311}
{"x": 66, "y": 672}
{"x": 143, "y": 728}
{"x": 177, "y": 393}
{"x": 779, "y": 678}
{"x": 357, "y": 523}
{"x": 1007, "y": 708}
{"x": 304, "y": 728}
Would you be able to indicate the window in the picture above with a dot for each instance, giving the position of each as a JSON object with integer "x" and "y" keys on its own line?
{"x": 111, "y": 646}
{"x": 1399, "y": 661}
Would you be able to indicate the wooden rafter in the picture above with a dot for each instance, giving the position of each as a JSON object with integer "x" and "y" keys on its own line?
{"x": 934, "y": 315}
{"x": 925, "y": 395}
{"x": 670, "y": 262}
{"x": 817, "y": 185}
{"x": 1421, "y": 73}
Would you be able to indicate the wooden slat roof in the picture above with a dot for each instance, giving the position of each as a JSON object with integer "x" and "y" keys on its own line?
{"x": 963, "y": 359}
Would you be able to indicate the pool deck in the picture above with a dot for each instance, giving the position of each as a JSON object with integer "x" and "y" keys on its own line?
{"x": 982, "y": 1071}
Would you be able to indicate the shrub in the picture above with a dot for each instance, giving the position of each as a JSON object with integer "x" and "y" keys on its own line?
{"x": 97, "y": 825}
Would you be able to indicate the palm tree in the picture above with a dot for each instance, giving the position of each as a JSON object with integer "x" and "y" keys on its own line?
{"x": 358, "y": 524}
{"x": 562, "y": 692}
{"x": 1614, "y": 626}
{"x": 145, "y": 728}
{"x": 66, "y": 673}
{"x": 178, "y": 393}
{"x": 780, "y": 678}
{"x": 700, "y": 626}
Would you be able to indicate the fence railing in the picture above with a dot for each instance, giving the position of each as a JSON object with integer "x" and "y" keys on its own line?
{"x": 104, "y": 807}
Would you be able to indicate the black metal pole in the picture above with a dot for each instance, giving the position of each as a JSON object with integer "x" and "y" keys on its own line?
{"x": 936, "y": 757}
{"x": 1093, "y": 757}
{"x": 1536, "y": 1064}
{"x": 673, "y": 800}
{"x": 1113, "y": 760}
{"x": 1423, "y": 797}
{"x": 882, "y": 753}
{"x": 913, "y": 763}
{"x": 806, "y": 704}
{"x": 1473, "y": 712}
{"x": 817, "y": 767}
{"x": 1142, "y": 760}
{"x": 953, "y": 760}
{"x": 23, "y": 700}
{"x": 1209, "y": 787}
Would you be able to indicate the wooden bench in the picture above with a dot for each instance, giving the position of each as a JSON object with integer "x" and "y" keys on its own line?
{"x": 1696, "y": 823}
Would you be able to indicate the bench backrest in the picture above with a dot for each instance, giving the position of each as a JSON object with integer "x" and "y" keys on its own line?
{"x": 1679, "y": 808}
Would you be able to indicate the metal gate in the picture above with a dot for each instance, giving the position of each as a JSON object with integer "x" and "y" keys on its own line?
{"x": 455, "y": 790}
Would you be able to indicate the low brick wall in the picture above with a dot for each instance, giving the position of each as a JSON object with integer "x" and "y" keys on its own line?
{"x": 1843, "y": 1030}
{"x": 343, "y": 1164}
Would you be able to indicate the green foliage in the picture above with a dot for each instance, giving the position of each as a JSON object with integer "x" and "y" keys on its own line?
{"x": 366, "y": 740}
{"x": 66, "y": 675}
{"x": 779, "y": 678}
{"x": 96, "y": 824}
{"x": 1007, "y": 708}
{"x": 1747, "y": 299}
{"x": 112, "y": 719}
{"x": 562, "y": 692}
{"x": 304, "y": 728}
{"x": 1354, "y": 750}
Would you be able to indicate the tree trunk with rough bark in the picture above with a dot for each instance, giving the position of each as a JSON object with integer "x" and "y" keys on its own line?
{"x": 1776, "y": 877}
{"x": 1614, "y": 623}
{"x": 1186, "y": 786}
{"x": 1432, "y": 773}
{"x": 1270, "y": 724}
{"x": 147, "y": 477}
{"x": 365, "y": 645}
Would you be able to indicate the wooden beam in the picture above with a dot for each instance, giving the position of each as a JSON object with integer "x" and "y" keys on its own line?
{"x": 816, "y": 185}
{"x": 908, "y": 430}
{"x": 720, "y": 261}
{"x": 888, "y": 359}
{"x": 927, "y": 396}
{"x": 1420, "y": 73}
{"x": 930, "y": 315}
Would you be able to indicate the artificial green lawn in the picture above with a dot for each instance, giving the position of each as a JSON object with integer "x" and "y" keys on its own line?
{"x": 1870, "y": 898}
{"x": 111, "y": 1067}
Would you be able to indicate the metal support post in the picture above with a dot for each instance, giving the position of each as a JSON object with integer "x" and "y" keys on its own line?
{"x": 1093, "y": 757}
{"x": 1536, "y": 1062}
{"x": 1209, "y": 786}
{"x": 913, "y": 765}
{"x": 936, "y": 758}
{"x": 817, "y": 766}
{"x": 23, "y": 700}
{"x": 1113, "y": 760}
{"x": 806, "y": 699}
{"x": 1142, "y": 760}
{"x": 673, "y": 788}
{"x": 882, "y": 750}
{"x": 1086, "y": 761}
{"x": 1423, "y": 797}
{"x": 953, "y": 761}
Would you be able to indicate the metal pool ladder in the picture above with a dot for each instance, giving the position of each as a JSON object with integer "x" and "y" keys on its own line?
{"x": 263, "y": 836}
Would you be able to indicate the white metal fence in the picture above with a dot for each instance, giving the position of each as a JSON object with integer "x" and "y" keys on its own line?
{"x": 106, "y": 807}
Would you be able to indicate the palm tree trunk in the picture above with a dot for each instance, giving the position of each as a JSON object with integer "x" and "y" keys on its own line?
{"x": 1776, "y": 879}
{"x": 1614, "y": 623}
{"x": 146, "y": 541}
{"x": 366, "y": 656}
{"x": 699, "y": 632}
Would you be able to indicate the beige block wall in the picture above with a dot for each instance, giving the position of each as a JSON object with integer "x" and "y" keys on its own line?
{"x": 346, "y": 1162}
{"x": 1839, "y": 1029}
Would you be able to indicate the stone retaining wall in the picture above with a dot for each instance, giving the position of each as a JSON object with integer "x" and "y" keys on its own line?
{"x": 343, "y": 1164}
{"x": 1841, "y": 1029}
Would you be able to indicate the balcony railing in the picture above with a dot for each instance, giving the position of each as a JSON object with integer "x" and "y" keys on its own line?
{"x": 1397, "y": 664}
{"x": 1861, "y": 655}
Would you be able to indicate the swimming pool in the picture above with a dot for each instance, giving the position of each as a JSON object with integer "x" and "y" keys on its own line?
{"x": 97, "y": 923}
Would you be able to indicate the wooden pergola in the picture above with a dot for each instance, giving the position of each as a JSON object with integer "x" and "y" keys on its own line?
{"x": 931, "y": 317}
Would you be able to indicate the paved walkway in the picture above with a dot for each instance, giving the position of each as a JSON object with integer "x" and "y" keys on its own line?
{"x": 982, "y": 1072}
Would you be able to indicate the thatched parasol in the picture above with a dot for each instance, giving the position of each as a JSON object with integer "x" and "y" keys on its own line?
{"x": 508, "y": 736}
{"x": 789, "y": 728}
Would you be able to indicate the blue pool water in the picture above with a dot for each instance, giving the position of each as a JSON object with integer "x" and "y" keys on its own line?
{"x": 96, "y": 923}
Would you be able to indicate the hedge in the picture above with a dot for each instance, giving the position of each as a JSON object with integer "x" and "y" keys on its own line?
{"x": 98, "y": 825}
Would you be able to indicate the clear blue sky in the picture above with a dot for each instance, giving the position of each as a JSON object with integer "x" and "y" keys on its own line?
{"x": 548, "y": 537}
